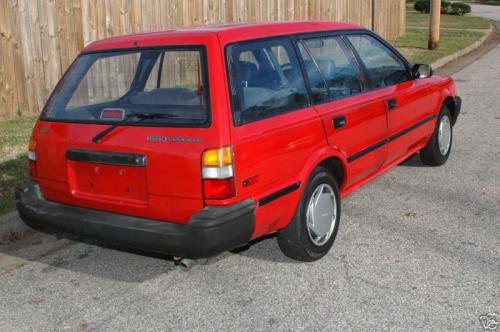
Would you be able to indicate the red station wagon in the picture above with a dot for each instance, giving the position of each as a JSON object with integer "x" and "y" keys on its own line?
{"x": 195, "y": 141}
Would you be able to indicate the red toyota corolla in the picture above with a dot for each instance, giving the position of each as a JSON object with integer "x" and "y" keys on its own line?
{"x": 195, "y": 141}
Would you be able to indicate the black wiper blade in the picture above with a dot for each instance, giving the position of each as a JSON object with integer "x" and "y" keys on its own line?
{"x": 140, "y": 116}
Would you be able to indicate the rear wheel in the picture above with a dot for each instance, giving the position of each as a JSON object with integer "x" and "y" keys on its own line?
{"x": 438, "y": 149}
{"x": 311, "y": 232}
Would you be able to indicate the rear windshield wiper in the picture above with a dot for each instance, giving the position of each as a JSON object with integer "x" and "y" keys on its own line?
{"x": 125, "y": 120}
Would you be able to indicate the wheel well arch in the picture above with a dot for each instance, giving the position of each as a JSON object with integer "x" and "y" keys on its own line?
{"x": 335, "y": 166}
{"x": 450, "y": 103}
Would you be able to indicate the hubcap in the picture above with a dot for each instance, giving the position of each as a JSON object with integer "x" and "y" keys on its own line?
{"x": 321, "y": 214}
{"x": 444, "y": 135}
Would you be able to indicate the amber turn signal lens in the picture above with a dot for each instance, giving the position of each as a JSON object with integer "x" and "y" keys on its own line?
{"x": 31, "y": 149}
{"x": 32, "y": 144}
{"x": 218, "y": 157}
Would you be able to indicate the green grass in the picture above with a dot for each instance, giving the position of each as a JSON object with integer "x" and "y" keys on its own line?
{"x": 14, "y": 135}
{"x": 413, "y": 44}
{"x": 454, "y": 35}
{"x": 468, "y": 21}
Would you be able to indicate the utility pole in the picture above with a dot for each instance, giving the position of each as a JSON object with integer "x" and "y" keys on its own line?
{"x": 434, "y": 24}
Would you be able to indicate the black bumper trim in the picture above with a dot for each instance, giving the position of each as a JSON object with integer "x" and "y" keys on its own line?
{"x": 210, "y": 231}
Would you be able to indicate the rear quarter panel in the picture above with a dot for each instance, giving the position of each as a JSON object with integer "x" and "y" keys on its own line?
{"x": 274, "y": 152}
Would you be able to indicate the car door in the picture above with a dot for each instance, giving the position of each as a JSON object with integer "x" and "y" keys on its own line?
{"x": 354, "y": 122}
{"x": 274, "y": 128}
{"x": 408, "y": 101}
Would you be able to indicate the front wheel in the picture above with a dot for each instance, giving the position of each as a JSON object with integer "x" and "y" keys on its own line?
{"x": 311, "y": 232}
{"x": 438, "y": 149}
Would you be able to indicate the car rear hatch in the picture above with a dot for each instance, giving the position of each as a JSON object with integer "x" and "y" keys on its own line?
{"x": 125, "y": 131}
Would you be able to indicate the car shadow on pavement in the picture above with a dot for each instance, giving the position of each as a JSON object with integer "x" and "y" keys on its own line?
{"x": 51, "y": 254}
{"x": 413, "y": 161}
{"x": 265, "y": 248}
{"x": 59, "y": 254}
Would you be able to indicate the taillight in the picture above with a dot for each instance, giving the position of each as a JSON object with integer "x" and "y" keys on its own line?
{"x": 32, "y": 156}
{"x": 218, "y": 173}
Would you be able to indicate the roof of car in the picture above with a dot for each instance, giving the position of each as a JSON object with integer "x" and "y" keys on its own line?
{"x": 226, "y": 33}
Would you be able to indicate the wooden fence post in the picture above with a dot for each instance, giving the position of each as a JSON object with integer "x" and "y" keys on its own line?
{"x": 434, "y": 24}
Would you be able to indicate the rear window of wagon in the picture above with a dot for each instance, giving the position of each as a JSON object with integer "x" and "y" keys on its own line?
{"x": 171, "y": 81}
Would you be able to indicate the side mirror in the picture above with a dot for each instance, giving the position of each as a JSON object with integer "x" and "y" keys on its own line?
{"x": 421, "y": 71}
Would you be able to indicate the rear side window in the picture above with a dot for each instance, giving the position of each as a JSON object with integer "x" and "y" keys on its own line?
{"x": 265, "y": 79}
{"x": 164, "y": 86}
{"x": 384, "y": 67}
{"x": 331, "y": 72}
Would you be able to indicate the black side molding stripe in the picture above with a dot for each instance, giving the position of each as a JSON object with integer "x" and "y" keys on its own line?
{"x": 377, "y": 145}
{"x": 105, "y": 157}
{"x": 415, "y": 126}
{"x": 279, "y": 193}
{"x": 367, "y": 150}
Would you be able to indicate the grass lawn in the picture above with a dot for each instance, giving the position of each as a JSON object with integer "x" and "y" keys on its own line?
{"x": 14, "y": 135}
{"x": 413, "y": 44}
{"x": 468, "y": 21}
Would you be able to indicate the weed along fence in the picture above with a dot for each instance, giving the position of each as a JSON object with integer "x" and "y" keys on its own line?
{"x": 39, "y": 39}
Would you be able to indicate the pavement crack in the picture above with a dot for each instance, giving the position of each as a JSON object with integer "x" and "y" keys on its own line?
{"x": 345, "y": 266}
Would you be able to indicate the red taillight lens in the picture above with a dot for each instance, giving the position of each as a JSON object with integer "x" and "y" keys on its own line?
{"x": 113, "y": 114}
{"x": 218, "y": 173}
{"x": 218, "y": 188}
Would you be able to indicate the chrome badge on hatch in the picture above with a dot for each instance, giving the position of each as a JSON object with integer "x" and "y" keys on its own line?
{"x": 175, "y": 139}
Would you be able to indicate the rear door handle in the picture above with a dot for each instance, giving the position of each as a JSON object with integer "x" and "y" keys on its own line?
{"x": 339, "y": 122}
{"x": 392, "y": 103}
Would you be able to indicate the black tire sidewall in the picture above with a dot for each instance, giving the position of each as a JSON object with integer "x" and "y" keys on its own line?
{"x": 318, "y": 177}
{"x": 439, "y": 156}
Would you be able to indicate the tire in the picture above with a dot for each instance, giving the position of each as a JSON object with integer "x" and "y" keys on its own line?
{"x": 300, "y": 242}
{"x": 434, "y": 153}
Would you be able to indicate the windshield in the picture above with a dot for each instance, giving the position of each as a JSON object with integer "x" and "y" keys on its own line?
{"x": 107, "y": 87}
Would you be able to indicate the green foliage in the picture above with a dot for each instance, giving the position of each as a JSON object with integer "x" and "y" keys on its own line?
{"x": 459, "y": 8}
{"x": 422, "y": 6}
{"x": 447, "y": 7}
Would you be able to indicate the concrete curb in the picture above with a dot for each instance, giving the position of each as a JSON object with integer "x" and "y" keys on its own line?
{"x": 447, "y": 59}
{"x": 11, "y": 227}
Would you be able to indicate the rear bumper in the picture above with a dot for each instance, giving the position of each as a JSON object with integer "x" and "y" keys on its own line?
{"x": 210, "y": 231}
{"x": 458, "y": 107}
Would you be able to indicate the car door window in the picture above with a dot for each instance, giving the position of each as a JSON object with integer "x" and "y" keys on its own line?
{"x": 331, "y": 72}
{"x": 266, "y": 80}
{"x": 384, "y": 67}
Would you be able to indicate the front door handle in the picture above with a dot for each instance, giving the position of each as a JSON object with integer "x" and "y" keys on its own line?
{"x": 392, "y": 103}
{"x": 339, "y": 122}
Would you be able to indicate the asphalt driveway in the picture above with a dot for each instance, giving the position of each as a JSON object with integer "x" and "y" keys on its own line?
{"x": 418, "y": 249}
